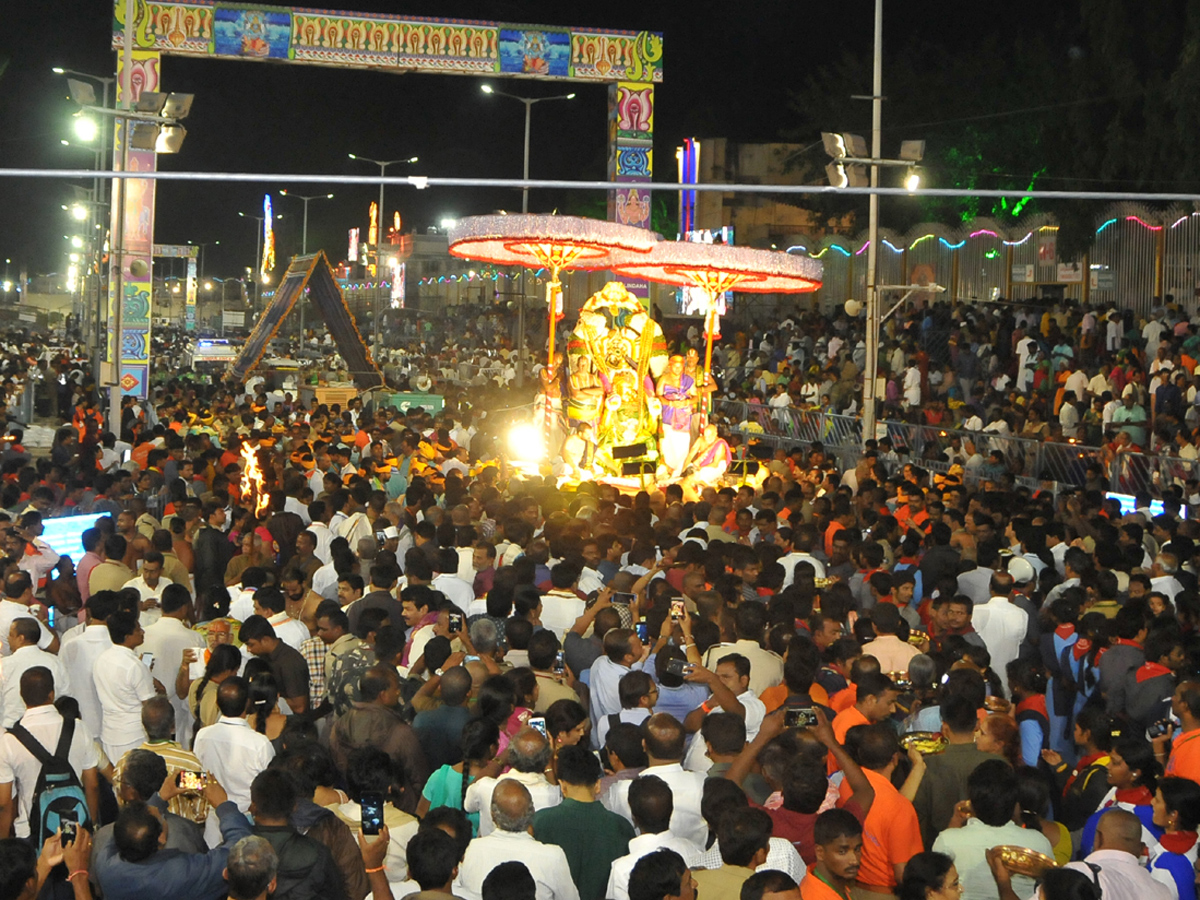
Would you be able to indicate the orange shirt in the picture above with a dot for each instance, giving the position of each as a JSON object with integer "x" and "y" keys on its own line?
{"x": 890, "y": 834}
{"x": 844, "y": 699}
{"x": 1184, "y": 761}
{"x": 773, "y": 697}
{"x": 834, "y": 528}
{"x": 813, "y": 888}
{"x": 843, "y": 722}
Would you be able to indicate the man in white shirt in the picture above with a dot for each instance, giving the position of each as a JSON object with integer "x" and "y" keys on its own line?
{"x": 270, "y": 603}
{"x": 457, "y": 591}
{"x": 512, "y": 809}
{"x": 623, "y": 653}
{"x": 561, "y": 606}
{"x": 150, "y": 586}
{"x": 664, "y": 738}
{"x": 123, "y": 681}
{"x": 231, "y": 750}
{"x": 1162, "y": 575}
{"x": 1001, "y": 624}
{"x": 19, "y": 769}
{"x": 319, "y": 526}
{"x": 167, "y": 639}
{"x": 731, "y": 693}
{"x": 18, "y": 596}
{"x": 79, "y": 655}
{"x": 22, "y": 638}
{"x": 529, "y": 754}
{"x": 651, "y": 805}
{"x": 1117, "y": 857}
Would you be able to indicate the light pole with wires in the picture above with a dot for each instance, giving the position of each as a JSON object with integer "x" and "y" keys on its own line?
{"x": 383, "y": 164}
{"x": 304, "y": 238}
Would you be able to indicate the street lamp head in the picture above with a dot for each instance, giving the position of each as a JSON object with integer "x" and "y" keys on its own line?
{"x": 571, "y": 96}
{"x": 486, "y": 88}
{"x": 352, "y": 156}
{"x": 79, "y": 211}
{"x": 411, "y": 159}
{"x": 329, "y": 196}
{"x": 912, "y": 181}
{"x": 59, "y": 70}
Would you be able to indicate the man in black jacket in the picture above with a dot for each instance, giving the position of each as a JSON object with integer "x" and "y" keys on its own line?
{"x": 306, "y": 870}
{"x": 213, "y": 552}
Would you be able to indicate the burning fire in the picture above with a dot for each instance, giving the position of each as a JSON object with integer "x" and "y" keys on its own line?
{"x": 252, "y": 480}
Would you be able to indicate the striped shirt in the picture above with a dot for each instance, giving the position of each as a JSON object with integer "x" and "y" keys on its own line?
{"x": 190, "y": 806}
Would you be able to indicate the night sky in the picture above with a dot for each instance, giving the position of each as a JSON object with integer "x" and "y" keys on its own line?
{"x": 729, "y": 68}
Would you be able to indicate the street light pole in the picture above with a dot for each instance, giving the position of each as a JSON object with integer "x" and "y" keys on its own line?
{"x": 383, "y": 164}
{"x": 870, "y": 369}
{"x": 528, "y": 101}
{"x": 304, "y": 238}
{"x": 255, "y": 273}
{"x": 99, "y": 196}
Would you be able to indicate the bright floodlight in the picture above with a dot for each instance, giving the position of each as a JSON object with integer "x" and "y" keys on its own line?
{"x": 77, "y": 242}
{"x": 79, "y": 212}
{"x": 570, "y": 96}
{"x": 486, "y": 88}
{"x": 208, "y": 285}
{"x": 86, "y": 129}
{"x": 449, "y": 223}
{"x": 7, "y": 286}
{"x": 525, "y": 443}
{"x": 912, "y": 181}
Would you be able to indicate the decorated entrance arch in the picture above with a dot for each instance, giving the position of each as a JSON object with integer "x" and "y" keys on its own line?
{"x": 630, "y": 62}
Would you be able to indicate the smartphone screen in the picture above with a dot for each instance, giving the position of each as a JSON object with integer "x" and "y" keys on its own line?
{"x": 539, "y": 722}
{"x": 148, "y": 659}
{"x": 50, "y": 616}
{"x": 456, "y": 622}
{"x": 677, "y": 667}
{"x": 643, "y": 630}
{"x": 799, "y": 718}
{"x": 70, "y": 828}
{"x": 372, "y": 812}
{"x": 623, "y": 598}
{"x": 560, "y": 662}
{"x": 191, "y": 781}
{"x": 677, "y": 609}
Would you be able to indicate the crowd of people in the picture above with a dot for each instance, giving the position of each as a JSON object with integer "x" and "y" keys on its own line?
{"x": 308, "y": 650}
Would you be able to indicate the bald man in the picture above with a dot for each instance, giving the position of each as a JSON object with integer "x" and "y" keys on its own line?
{"x": 1118, "y": 852}
{"x": 529, "y": 755}
{"x": 511, "y": 809}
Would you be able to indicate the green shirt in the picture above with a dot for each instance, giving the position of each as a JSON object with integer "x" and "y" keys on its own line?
{"x": 590, "y": 836}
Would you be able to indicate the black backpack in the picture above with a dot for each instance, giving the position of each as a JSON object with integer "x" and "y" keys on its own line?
{"x": 58, "y": 794}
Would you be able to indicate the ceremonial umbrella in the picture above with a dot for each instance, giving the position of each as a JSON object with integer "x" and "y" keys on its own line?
{"x": 716, "y": 268}
{"x": 552, "y": 242}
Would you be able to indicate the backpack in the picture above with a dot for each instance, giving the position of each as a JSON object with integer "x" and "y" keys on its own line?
{"x": 57, "y": 795}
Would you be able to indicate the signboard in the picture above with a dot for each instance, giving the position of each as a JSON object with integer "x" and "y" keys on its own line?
{"x": 431, "y": 403}
{"x": 233, "y": 318}
{"x": 1022, "y": 274}
{"x": 1103, "y": 281}
{"x": 1070, "y": 273}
